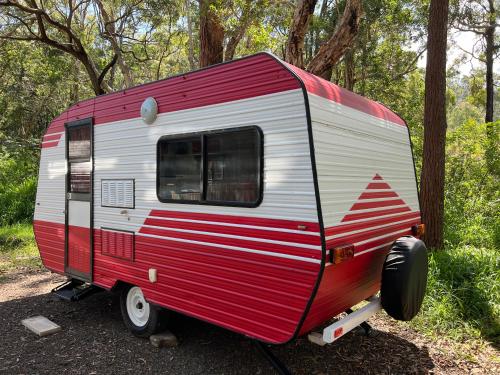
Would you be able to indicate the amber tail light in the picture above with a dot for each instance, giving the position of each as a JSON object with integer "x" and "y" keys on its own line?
{"x": 341, "y": 253}
{"x": 418, "y": 230}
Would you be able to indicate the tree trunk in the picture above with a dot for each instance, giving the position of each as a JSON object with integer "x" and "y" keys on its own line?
{"x": 433, "y": 165}
{"x": 333, "y": 50}
{"x": 294, "y": 53}
{"x": 110, "y": 29}
{"x": 489, "y": 36}
{"x": 211, "y": 35}
{"x": 192, "y": 64}
{"x": 246, "y": 19}
{"x": 349, "y": 70}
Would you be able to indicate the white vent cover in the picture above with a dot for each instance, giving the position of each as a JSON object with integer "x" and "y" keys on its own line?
{"x": 117, "y": 193}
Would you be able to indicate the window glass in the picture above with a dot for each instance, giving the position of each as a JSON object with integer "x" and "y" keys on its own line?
{"x": 179, "y": 169}
{"x": 214, "y": 167}
{"x": 233, "y": 166}
{"x": 79, "y": 177}
{"x": 79, "y": 143}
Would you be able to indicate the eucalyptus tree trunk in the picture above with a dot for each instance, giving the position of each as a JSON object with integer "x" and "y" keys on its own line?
{"x": 433, "y": 165}
{"x": 211, "y": 35}
{"x": 489, "y": 37}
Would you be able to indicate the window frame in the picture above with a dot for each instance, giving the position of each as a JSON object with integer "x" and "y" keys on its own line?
{"x": 87, "y": 196}
{"x": 204, "y": 170}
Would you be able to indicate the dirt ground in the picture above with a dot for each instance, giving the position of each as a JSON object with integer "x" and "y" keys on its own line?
{"x": 94, "y": 340}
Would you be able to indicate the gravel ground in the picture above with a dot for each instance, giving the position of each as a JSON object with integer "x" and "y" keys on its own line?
{"x": 94, "y": 340}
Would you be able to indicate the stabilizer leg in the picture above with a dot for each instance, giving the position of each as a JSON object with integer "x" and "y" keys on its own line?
{"x": 273, "y": 360}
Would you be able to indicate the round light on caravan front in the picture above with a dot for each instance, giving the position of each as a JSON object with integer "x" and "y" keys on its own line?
{"x": 149, "y": 110}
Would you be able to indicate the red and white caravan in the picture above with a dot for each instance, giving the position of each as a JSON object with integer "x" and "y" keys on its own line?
{"x": 251, "y": 194}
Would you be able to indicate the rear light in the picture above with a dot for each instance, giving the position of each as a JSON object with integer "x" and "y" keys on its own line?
{"x": 418, "y": 230}
{"x": 341, "y": 253}
{"x": 338, "y": 332}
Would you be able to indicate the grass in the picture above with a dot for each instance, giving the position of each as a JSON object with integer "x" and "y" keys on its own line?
{"x": 463, "y": 296}
{"x": 18, "y": 248}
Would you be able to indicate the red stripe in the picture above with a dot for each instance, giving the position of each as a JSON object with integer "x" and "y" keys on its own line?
{"x": 251, "y": 293}
{"x": 330, "y": 91}
{"x": 382, "y": 241}
{"x": 338, "y": 229}
{"x": 237, "y": 231}
{"x": 251, "y": 262}
{"x": 365, "y": 215}
{"x": 368, "y": 205}
{"x": 254, "y": 245}
{"x": 378, "y": 185}
{"x": 50, "y": 144}
{"x": 365, "y": 235}
{"x": 51, "y": 137}
{"x": 377, "y": 177}
{"x": 378, "y": 194}
{"x": 50, "y": 241}
{"x": 254, "y": 221}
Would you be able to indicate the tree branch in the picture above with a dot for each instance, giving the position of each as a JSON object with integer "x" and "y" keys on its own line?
{"x": 333, "y": 50}
{"x": 294, "y": 52}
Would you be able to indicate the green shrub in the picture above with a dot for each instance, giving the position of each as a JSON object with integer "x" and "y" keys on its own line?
{"x": 472, "y": 196}
{"x": 463, "y": 295}
{"x": 18, "y": 181}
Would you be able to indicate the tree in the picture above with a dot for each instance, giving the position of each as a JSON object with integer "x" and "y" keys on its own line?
{"x": 433, "y": 167}
{"x": 58, "y": 25}
{"x": 334, "y": 48}
{"x": 225, "y": 23}
{"x": 211, "y": 34}
{"x": 481, "y": 18}
{"x": 112, "y": 34}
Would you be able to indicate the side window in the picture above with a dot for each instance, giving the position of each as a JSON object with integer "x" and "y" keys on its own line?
{"x": 79, "y": 159}
{"x": 179, "y": 169}
{"x": 233, "y": 160}
{"x": 211, "y": 168}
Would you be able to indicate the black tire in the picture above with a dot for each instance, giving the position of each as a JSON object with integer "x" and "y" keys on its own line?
{"x": 154, "y": 321}
{"x": 404, "y": 278}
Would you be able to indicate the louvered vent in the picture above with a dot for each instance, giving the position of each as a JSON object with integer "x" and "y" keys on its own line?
{"x": 117, "y": 193}
{"x": 117, "y": 243}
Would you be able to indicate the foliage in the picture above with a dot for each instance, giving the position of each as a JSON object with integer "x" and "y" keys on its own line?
{"x": 18, "y": 179}
{"x": 463, "y": 295}
{"x": 472, "y": 197}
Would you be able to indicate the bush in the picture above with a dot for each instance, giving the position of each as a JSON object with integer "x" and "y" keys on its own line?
{"x": 472, "y": 197}
{"x": 18, "y": 181}
{"x": 463, "y": 295}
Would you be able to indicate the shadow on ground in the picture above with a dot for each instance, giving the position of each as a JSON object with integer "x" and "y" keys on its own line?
{"x": 94, "y": 340}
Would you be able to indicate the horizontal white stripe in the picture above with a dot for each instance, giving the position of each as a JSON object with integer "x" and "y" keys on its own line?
{"x": 374, "y": 209}
{"x": 375, "y": 218}
{"x": 242, "y": 249}
{"x": 373, "y": 200}
{"x": 223, "y": 235}
{"x": 55, "y": 133}
{"x": 382, "y": 236}
{"x": 239, "y": 225}
{"x": 378, "y": 247}
{"x": 373, "y": 249}
{"x": 370, "y": 228}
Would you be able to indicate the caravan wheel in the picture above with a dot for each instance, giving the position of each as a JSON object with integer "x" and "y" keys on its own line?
{"x": 140, "y": 317}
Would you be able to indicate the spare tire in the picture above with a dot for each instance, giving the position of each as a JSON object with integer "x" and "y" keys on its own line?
{"x": 404, "y": 278}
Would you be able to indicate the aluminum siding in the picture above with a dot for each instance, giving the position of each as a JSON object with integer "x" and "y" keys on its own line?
{"x": 248, "y": 269}
{"x": 368, "y": 197}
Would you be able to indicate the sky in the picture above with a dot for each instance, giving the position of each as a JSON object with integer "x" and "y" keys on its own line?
{"x": 458, "y": 42}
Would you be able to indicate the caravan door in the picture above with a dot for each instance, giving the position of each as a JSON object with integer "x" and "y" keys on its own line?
{"x": 79, "y": 190}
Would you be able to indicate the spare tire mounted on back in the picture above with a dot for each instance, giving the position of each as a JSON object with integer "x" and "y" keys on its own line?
{"x": 404, "y": 278}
